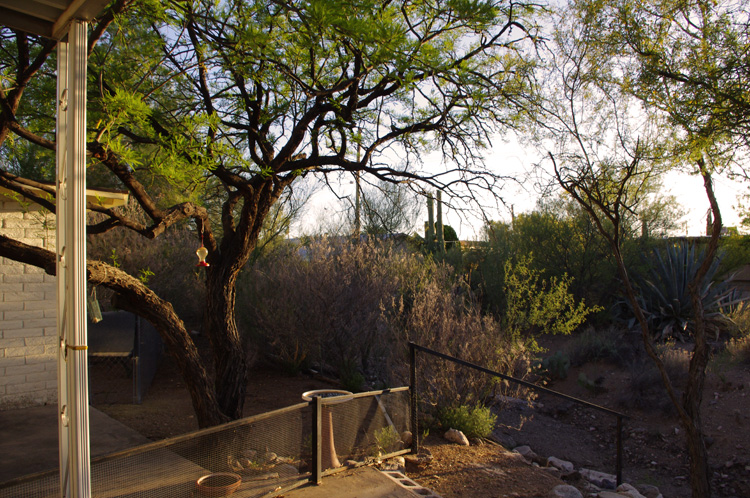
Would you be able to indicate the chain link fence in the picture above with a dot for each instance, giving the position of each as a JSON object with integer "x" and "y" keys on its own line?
{"x": 263, "y": 456}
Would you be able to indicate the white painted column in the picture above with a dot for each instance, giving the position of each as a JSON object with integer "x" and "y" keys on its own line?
{"x": 73, "y": 399}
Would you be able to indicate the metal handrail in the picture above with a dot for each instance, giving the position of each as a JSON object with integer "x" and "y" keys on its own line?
{"x": 413, "y": 348}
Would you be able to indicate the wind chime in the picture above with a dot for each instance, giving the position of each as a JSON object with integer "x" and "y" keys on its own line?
{"x": 202, "y": 252}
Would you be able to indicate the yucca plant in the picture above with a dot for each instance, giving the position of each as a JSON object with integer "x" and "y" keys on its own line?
{"x": 664, "y": 296}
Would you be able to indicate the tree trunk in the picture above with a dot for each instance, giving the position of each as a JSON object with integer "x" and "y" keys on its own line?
{"x": 229, "y": 354}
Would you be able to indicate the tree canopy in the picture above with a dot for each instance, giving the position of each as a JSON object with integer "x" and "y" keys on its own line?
{"x": 208, "y": 112}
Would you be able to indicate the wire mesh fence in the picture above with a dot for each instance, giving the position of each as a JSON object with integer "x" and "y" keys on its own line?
{"x": 263, "y": 455}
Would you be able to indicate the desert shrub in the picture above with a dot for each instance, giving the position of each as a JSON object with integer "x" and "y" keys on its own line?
{"x": 351, "y": 310}
{"x": 739, "y": 318}
{"x": 476, "y": 421}
{"x": 611, "y": 344}
{"x": 331, "y": 300}
{"x": 738, "y": 349}
{"x": 553, "y": 367}
{"x": 646, "y": 390}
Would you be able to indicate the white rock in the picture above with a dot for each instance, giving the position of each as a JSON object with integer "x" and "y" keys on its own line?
{"x": 456, "y": 436}
{"x": 628, "y": 490}
{"x": 526, "y": 452}
{"x": 562, "y": 465}
{"x": 649, "y": 491}
{"x": 566, "y": 491}
{"x": 600, "y": 479}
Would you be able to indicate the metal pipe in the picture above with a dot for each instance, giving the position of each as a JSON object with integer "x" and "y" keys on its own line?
{"x": 316, "y": 476}
{"x": 618, "y": 463}
{"x": 413, "y": 393}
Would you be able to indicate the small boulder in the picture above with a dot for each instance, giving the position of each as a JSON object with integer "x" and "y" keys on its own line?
{"x": 599, "y": 479}
{"x": 526, "y": 452}
{"x": 563, "y": 465}
{"x": 628, "y": 490}
{"x": 407, "y": 438}
{"x": 649, "y": 491}
{"x": 456, "y": 436}
{"x": 566, "y": 491}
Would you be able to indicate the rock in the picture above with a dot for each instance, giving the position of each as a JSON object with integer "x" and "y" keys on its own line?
{"x": 527, "y": 453}
{"x": 628, "y": 490}
{"x": 286, "y": 470}
{"x": 610, "y": 494}
{"x": 554, "y": 472}
{"x": 562, "y": 465}
{"x": 649, "y": 491}
{"x": 566, "y": 491}
{"x": 397, "y": 464}
{"x": 572, "y": 476}
{"x": 507, "y": 441}
{"x": 600, "y": 479}
{"x": 407, "y": 438}
{"x": 456, "y": 436}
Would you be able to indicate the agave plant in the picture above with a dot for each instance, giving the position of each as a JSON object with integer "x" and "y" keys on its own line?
{"x": 664, "y": 296}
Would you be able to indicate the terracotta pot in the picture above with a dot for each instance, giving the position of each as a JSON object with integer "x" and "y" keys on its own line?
{"x": 218, "y": 484}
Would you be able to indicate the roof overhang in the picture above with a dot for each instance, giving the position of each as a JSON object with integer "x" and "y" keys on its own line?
{"x": 105, "y": 198}
{"x": 48, "y": 18}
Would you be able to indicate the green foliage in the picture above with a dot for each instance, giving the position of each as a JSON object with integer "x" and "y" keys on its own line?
{"x": 473, "y": 421}
{"x": 386, "y": 440}
{"x": 533, "y": 304}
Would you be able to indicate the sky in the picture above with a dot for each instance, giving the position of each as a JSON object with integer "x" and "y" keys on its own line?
{"x": 512, "y": 159}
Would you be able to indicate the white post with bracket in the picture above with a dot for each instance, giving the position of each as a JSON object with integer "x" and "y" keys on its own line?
{"x": 73, "y": 399}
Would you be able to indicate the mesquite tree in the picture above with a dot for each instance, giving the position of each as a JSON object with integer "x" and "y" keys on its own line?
{"x": 208, "y": 112}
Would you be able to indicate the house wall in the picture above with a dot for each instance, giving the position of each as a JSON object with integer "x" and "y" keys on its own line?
{"x": 28, "y": 345}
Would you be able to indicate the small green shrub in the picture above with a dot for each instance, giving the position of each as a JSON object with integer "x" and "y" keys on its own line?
{"x": 555, "y": 366}
{"x": 386, "y": 440}
{"x": 478, "y": 421}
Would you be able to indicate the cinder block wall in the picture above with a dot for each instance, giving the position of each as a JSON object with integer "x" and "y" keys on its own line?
{"x": 28, "y": 345}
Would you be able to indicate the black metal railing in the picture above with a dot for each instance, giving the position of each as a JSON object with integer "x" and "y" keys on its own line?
{"x": 413, "y": 348}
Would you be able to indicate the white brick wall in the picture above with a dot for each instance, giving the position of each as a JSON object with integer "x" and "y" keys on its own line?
{"x": 28, "y": 345}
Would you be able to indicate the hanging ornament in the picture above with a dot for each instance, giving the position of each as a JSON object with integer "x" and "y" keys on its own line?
{"x": 202, "y": 252}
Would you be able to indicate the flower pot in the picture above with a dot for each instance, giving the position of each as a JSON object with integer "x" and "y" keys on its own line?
{"x": 218, "y": 484}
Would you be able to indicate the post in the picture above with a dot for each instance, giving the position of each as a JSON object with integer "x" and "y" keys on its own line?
{"x": 619, "y": 451}
{"x": 73, "y": 401}
{"x": 439, "y": 229}
{"x": 429, "y": 234}
{"x": 316, "y": 476}
{"x": 413, "y": 392}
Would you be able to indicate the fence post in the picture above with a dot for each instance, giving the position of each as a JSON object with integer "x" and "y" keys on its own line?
{"x": 316, "y": 476}
{"x": 413, "y": 392}
{"x": 619, "y": 450}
